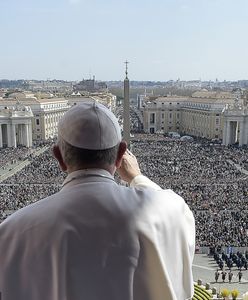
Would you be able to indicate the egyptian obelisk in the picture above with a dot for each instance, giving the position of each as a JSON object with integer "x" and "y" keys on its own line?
{"x": 126, "y": 109}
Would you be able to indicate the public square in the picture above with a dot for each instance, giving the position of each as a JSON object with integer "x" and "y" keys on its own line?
{"x": 204, "y": 268}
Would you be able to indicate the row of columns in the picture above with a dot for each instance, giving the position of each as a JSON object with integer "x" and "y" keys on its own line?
{"x": 235, "y": 130}
{"x": 15, "y": 134}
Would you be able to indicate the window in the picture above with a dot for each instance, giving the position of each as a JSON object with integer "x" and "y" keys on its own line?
{"x": 162, "y": 115}
{"x": 152, "y": 130}
{"x": 37, "y": 122}
{"x": 152, "y": 118}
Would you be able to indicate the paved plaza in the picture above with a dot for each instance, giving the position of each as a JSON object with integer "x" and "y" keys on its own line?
{"x": 204, "y": 268}
{"x": 13, "y": 167}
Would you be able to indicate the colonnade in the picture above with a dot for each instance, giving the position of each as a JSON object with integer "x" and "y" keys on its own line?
{"x": 235, "y": 130}
{"x": 14, "y": 134}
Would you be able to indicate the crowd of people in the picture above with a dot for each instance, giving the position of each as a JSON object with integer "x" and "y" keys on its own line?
{"x": 12, "y": 155}
{"x": 211, "y": 178}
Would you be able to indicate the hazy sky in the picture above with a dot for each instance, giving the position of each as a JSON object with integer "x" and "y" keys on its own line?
{"x": 162, "y": 39}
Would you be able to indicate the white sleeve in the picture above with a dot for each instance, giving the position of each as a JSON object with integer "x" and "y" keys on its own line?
{"x": 143, "y": 181}
{"x": 190, "y": 230}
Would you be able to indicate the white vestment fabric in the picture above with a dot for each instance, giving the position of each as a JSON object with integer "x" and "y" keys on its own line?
{"x": 97, "y": 240}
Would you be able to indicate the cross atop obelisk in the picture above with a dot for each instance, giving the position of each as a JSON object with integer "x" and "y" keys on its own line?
{"x": 126, "y": 108}
{"x": 126, "y": 63}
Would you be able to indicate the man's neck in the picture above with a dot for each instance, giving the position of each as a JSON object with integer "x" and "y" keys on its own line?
{"x": 110, "y": 168}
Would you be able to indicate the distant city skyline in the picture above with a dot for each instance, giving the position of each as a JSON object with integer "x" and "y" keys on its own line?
{"x": 162, "y": 39}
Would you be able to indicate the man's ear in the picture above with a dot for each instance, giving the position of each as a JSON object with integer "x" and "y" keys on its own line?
{"x": 122, "y": 149}
{"x": 57, "y": 154}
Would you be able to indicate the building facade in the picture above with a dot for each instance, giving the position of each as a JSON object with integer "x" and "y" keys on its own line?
{"x": 40, "y": 115}
{"x": 46, "y": 114}
{"x": 163, "y": 114}
{"x": 201, "y": 115}
{"x": 236, "y": 123}
{"x": 107, "y": 99}
{"x": 16, "y": 126}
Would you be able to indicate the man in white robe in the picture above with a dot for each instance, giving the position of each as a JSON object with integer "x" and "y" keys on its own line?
{"x": 95, "y": 239}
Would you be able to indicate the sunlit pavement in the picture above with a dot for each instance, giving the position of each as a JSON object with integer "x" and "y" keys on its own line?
{"x": 204, "y": 268}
